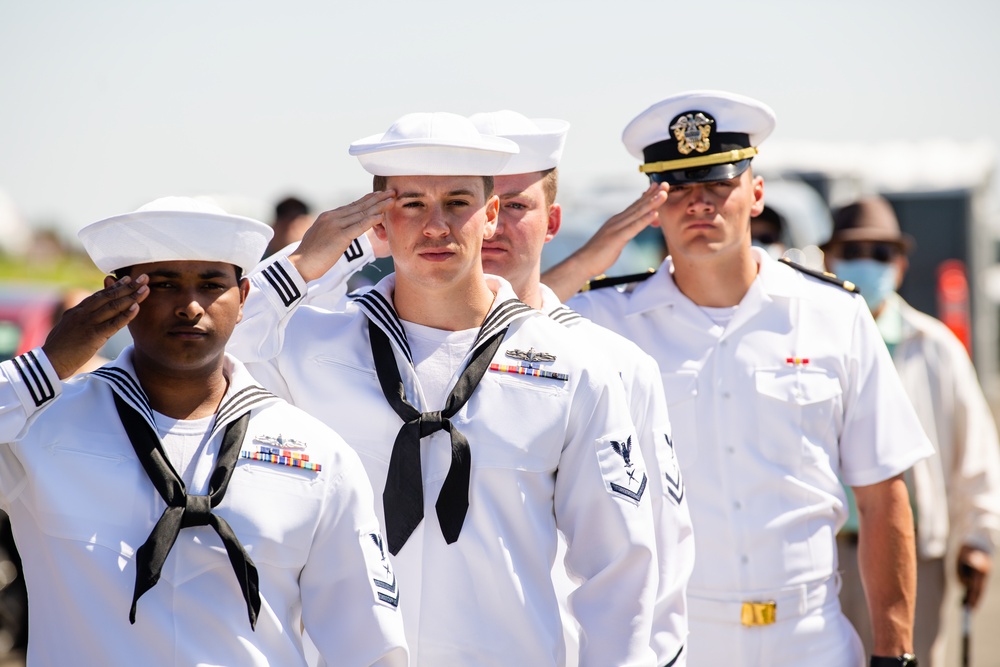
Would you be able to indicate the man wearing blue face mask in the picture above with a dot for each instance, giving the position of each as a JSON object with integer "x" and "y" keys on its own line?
{"x": 868, "y": 249}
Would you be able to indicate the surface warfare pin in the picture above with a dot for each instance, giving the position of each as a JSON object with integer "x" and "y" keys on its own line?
{"x": 280, "y": 441}
{"x": 530, "y": 356}
{"x": 529, "y": 366}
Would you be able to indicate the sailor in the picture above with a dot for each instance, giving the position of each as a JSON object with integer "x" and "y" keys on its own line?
{"x": 778, "y": 385}
{"x": 530, "y": 217}
{"x": 167, "y": 508}
{"x": 484, "y": 426}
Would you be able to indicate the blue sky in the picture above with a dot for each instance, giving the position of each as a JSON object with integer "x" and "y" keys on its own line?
{"x": 107, "y": 104}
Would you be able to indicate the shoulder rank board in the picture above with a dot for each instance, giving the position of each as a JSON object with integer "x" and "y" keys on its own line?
{"x": 825, "y": 276}
{"x": 612, "y": 281}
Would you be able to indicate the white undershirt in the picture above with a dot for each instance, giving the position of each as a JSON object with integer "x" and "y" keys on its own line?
{"x": 189, "y": 449}
{"x": 720, "y": 316}
{"x": 438, "y": 356}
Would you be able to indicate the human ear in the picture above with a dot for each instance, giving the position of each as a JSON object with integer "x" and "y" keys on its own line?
{"x": 555, "y": 222}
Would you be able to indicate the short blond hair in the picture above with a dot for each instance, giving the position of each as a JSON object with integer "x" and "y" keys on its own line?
{"x": 550, "y": 184}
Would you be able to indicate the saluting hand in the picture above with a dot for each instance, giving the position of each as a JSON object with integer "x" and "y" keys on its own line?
{"x": 86, "y": 327}
{"x": 332, "y": 233}
{"x": 611, "y": 238}
{"x": 606, "y": 245}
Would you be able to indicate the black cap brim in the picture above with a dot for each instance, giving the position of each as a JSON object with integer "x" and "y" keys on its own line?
{"x": 716, "y": 172}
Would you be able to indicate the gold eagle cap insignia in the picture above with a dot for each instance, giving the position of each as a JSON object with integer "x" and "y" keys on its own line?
{"x": 693, "y": 132}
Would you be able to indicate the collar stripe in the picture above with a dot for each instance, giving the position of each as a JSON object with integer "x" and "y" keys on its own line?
{"x": 381, "y": 311}
{"x": 245, "y": 399}
{"x": 501, "y": 317}
{"x": 128, "y": 388}
{"x": 33, "y": 374}
{"x": 564, "y": 315}
{"x": 282, "y": 284}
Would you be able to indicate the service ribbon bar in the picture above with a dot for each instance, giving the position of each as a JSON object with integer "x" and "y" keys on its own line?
{"x": 277, "y": 451}
{"x": 527, "y": 370}
{"x": 281, "y": 457}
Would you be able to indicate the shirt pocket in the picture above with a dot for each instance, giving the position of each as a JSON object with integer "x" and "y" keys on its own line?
{"x": 681, "y": 391}
{"x": 798, "y": 415}
{"x": 361, "y": 416}
{"x": 87, "y": 489}
{"x": 527, "y": 433}
{"x": 273, "y": 510}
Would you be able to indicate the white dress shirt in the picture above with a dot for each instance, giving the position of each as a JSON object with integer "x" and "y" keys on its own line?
{"x": 542, "y": 459}
{"x": 81, "y": 504}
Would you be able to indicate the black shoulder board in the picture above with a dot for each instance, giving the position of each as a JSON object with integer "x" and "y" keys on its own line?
{"x": 825, "y": 276}
{"x": 605, "y": 281}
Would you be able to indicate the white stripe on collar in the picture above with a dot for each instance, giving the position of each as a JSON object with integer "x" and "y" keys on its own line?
{"x": 377, "y": 305}
{"x": 243, "y": 393}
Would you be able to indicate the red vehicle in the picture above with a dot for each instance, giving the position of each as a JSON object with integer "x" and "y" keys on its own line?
{"x": 25, "y": 317}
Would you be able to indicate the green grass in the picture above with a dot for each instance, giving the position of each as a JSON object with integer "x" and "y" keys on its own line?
{"x": 65, "y": 271}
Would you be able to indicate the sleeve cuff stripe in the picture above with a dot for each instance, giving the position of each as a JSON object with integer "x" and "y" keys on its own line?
{"x": 354, "y": 251}
{"x": 34, "y": 378}
{"x": 282, "y": 284}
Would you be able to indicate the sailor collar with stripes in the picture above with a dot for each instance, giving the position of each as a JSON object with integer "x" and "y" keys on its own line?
{"x": 556, "y": 309}
{"x": 243, "y": 393}
{"x": 378, "y": 306}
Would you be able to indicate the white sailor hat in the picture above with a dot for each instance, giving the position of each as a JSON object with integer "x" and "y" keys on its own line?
{"x": 433, "y": 144}
{"x": 698, "y": 136}
{"x": 175, "y": 228}
{"x": 540, "y": 140}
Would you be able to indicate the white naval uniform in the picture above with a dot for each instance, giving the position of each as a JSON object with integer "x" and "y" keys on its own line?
{"x": 647, "y": 405}
{"x": 543, "y": 458}
{"x": 768, "y": 412}
{"x": 81, "y": 504}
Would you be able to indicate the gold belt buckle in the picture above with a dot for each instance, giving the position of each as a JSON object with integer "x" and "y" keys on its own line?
{"x": 759, "y": 613}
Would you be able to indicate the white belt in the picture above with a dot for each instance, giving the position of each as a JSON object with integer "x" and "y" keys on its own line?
{"x": 766, "y": 607}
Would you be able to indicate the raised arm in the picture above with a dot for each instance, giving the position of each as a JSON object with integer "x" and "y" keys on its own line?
{"x": 326, "y": 241}
{"x": 85, "y": 328}
{"x": 337, "y": 245}
{"x": 30, "y": 382}
{"x": 603, "y": 249}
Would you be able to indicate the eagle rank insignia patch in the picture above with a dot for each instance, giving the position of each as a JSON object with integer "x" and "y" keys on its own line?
{"x": 380, "y": 574}
{"x": 624, "y": 476}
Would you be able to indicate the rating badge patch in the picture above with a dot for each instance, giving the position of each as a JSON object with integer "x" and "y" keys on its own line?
{"x": 380, "y": 574}
{"x": 623, "y": 475}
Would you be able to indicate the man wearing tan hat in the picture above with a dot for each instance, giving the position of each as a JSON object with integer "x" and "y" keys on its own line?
{"x": 778, "y": 386}
{"x": 485, "y": 427}
{"x": 955, "y": 492}
{"x": 169, "y": 480}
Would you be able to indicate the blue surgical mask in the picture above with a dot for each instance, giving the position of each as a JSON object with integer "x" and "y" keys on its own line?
{"x": 876, "y": 280}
